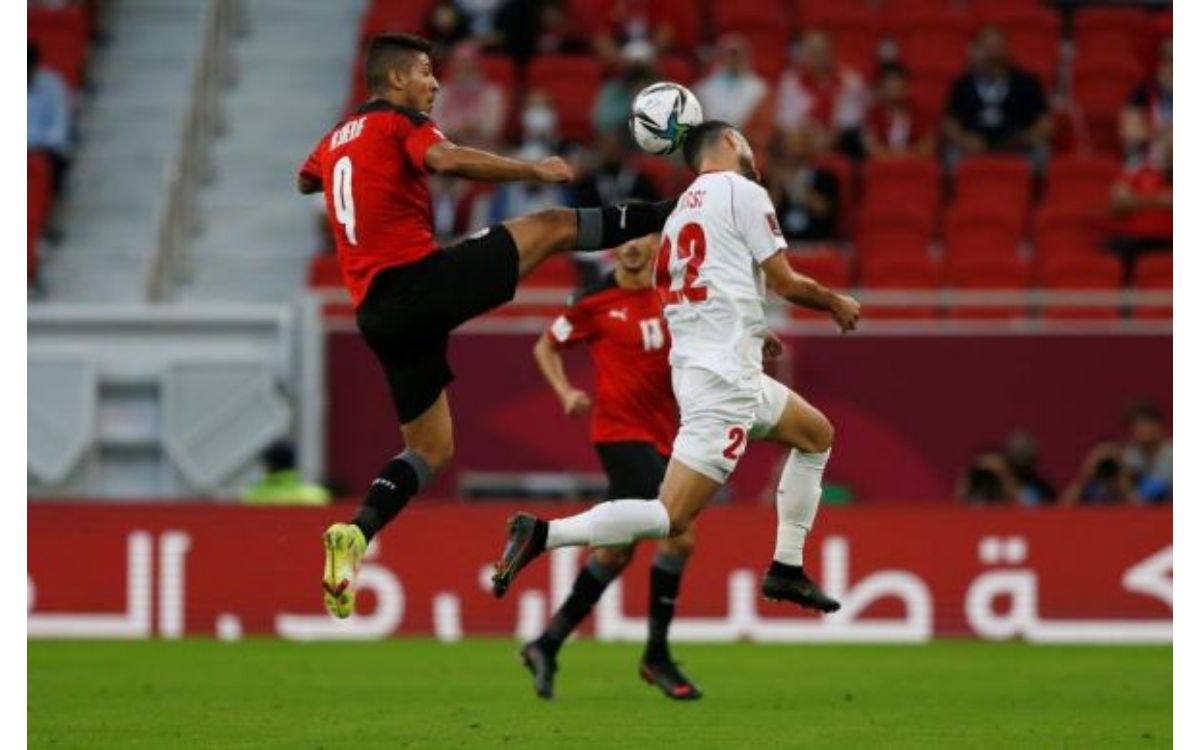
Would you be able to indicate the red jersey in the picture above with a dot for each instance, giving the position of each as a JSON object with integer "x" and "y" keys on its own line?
{"x": 372, "y": 167}
{"x": 628, "y": 342}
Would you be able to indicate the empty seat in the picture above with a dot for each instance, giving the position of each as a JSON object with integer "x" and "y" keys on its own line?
{"x": 933, "y": 40}
{"x": 572, "y": 82}
{"x": 1098, "y": 273}
{"x": 991, "y": 274}
{"x": 38, "y": 199}
{"x": 914, "y": 181}
{"x": 893, "y": 230}
{"x": 916, "y": 273}
{"x": 1113, "y": 31}
{"x": 1099, "y": 90}
{"x": 386, "y": 16}
{"x": 1081, "y": 183}
{"x": 993, "y": 179}
{"x": 826, "y": 265}
{"x": 677, "y": 68}
{"x": 1153, "y": 273}
{"x": 853, "y": 28}
{"x": 1060, "y": 232}
{"x": 979, "y": 232}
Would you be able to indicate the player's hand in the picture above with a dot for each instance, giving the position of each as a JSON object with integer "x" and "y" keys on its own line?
{"x": 553, "y": 169}
{"x": 772, "y": 346}
{"x": 845, "y": 311}
{"x": 575, "y": 403}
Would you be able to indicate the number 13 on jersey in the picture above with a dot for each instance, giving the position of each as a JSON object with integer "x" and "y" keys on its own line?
{"x": 679, "y": 283}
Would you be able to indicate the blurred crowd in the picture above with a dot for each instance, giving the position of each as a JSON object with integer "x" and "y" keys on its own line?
{"x": 1132, "y": 470}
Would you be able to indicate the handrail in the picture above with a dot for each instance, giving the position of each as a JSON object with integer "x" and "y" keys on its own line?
{"x": 186, "y": 171}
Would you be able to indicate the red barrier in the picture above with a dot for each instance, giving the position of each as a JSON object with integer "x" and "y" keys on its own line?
{"x": 127, "y": 571}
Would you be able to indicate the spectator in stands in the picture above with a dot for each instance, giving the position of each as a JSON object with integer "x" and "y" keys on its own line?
{"x": 989, "y": 480}
{"x": 821, "y": 95}
{"x": 1148, "y": 452}
{"x": 1141, "y": 207}
{"x": 282, "y": 483}
{"x": 732, "y": 92}
{"x": 894, "y": 126}
{"x": 632, "y": 21}
{"x": 805, "y": 195}
{"x": 445, "y": 26}
{"x": 1104, "y": 479}
{"x": 48, "y": 115}
{"x": 1146, "y": 121}
{"x": 610, "y": 113}
{"x": 470, "y": 108}
{"x": 995, "y": 107}
{"x": 539, "y": 121}
{"x": 1021, "y": 454}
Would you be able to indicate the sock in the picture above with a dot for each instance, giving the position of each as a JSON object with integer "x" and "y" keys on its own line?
{"x": 398, "y": 481}
{"x": 609, "y": 226}
{"x": 796, "y": 504}
{"x": 589, "y": 585}
{"x": 611, "y": 524}
{"x": 665, "y": 575}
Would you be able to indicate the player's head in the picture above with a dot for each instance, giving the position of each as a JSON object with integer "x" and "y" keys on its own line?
{"x": 399, "y": 69}
{"x": 633, "y": 256}
{"x": 717, "y": 146}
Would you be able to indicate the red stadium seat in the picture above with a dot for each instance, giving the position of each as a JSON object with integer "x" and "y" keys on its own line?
{"x": 895, "y": 273}
{"x": 825, "y": 264}
{"x": 893, "y": 12}
{"x": 1114, "y": 31}
{"x": 1081, "y": 183}
{"x": 1100, "y": 89}
{"x": 933, "y": 41}
{"x": 914, "y": 181}
{"x": 500, "y": 70}
{"x": 998, "y": 273}
{"x": 853, "y": 28}
{"x": 895, "y": 230}
{"x": 62, "y": 37}
{"x": 395, "y": 15}
{"x": 1005, "y": 181}
{"x": 38, "y": 198}
{"x": 1098, "y": 273}
{"x": 572, "y": 81}
{"x": 765, "y": 27}
{"x": 981, "y": 232}
{"x": 677, "y": 68}
{"x": 1063, "y": 232}
{"x": 1153, "y": 273}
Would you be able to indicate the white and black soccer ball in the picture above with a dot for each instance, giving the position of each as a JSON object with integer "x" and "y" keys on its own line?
{"x": 661, "y": 116}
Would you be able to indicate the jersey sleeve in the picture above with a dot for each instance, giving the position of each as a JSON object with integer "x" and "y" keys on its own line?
{"x": 572, "y": 326}
{"x": 312, "y": 165}
{"x": 419, "y": 140}
{"x": 754, "y": 217}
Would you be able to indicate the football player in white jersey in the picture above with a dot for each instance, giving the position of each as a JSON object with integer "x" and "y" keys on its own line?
{"x": 721, "y": 249}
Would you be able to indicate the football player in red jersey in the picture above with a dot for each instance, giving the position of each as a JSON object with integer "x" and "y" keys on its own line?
{"x": 409, "y": 294}
{"x": 633, "y": 424}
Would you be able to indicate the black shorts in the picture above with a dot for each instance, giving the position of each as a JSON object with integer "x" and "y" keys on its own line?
{"x": 409, "y": 311}
{"x": 635, "y": 469}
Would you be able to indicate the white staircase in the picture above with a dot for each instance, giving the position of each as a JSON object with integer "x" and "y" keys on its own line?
{"x": 129, "y": 129}
{"x": 293, "y": 73}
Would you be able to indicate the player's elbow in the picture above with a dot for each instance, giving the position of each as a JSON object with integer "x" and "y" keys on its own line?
{"x": 443, "y": 158}
{"x": 307, "y": 184}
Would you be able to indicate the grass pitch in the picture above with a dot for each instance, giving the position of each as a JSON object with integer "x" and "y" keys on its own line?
{"x": 423, "y": 694}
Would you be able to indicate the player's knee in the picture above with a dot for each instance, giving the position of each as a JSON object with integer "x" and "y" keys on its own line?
{"x": 437, "y": 453}
{"x": 559, "y": 225}
{"x": 683, "y": 544}
{"x": 822, "y": 436}
{"x": 614, "y": 558}
{"x": 681, "y": 522}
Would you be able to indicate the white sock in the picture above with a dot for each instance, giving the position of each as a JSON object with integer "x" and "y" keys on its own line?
{"x": 796, "y": 504}
{"x": 610, "y": 524}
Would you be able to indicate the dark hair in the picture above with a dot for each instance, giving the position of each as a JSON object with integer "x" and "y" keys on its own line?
{"x": 1143, "y": 409}
{"x": 891, "y": 69}
{"x": 279, "y": 456}
{"x": 35, "y": 56}
{"x": 700, "y": 138}
{"x": 384, "y": 52}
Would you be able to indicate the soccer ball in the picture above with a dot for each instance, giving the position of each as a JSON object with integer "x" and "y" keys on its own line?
{"x": 661, "y": 116}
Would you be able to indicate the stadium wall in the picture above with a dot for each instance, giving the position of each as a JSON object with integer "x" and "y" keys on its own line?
{"x": 910, "y": 410}
{"x": 904, "y": 575}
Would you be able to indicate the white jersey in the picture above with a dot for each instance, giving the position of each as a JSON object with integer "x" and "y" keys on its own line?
{"x": 708, "y": 271}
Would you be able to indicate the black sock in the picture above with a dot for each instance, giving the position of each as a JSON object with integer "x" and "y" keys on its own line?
{"x": 397, "y": 482}
{"x": 665, "y": 575}
{"x": 783, "y": 570}
{"x": 589, "y": 585}
{"x": 609, "y": 226}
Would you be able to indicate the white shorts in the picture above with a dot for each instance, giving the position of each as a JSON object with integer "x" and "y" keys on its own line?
{"x": 717, "y": 417}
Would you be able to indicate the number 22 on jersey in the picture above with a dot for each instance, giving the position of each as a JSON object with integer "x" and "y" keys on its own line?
{"x": 343, "y": 197}
{"x": 690, "y": 247}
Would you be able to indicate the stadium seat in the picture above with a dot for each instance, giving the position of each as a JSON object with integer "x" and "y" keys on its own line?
{"x": 1064, "y": 232}
{"x": 1098, "y": 273}
{"x": 891, "y": 230}
{"x": 933, "y": 41}
{"x": 395, "y": 15}
{"x": 1005, "y": 182}
{"x": 62, "y": 36}
{"x": 500, "y": 70}
{"x": 997, "y": 273}
{"x": 1034, "y": 35}
{"x": 913, "y": 181}
{"x": 853, "y": 28}
{"x": 1114, "y": 31}
{"x": 981, "y": 232}
{"x": 677, "y": 68}
{"x": 38, "y": 199}
{"x": 1081, "y": 183}
{"x": 825, "y": 264}
{"x": 1153, "y": 273}
{"x": 892, "y": 12}
{"x": 1099, "y": 89}
{"x": 572, "y": 82}
{"x": 765, "y": 27}
{"x": 557, "y": 271}
{"x": 900, "y": 273}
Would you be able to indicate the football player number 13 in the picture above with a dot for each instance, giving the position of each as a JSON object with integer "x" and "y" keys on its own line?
{"x": 690, "y": 246}
{"x": 343, "y": 197}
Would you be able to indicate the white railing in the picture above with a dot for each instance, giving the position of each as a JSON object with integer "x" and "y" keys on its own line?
{"x": 187, "y": 170}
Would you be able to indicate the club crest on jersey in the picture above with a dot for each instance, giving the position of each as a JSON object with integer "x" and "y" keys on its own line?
{"x": 773, "y": 223}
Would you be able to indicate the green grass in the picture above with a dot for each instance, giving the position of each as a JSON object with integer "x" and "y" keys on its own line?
{"x": 422, "y": 694}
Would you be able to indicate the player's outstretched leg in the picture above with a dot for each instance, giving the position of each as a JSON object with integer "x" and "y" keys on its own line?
{"x": 666, "y": 573}
{"x": 541, "y": 654}
{"x": 428, "y": 438}
{"x": 810, "y": 435}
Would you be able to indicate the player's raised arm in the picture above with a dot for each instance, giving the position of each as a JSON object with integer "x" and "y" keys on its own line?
{"x": 474, "y": 164}
{"x": 805, "y": 292}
